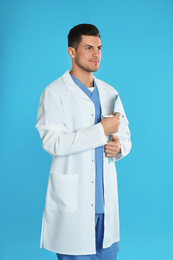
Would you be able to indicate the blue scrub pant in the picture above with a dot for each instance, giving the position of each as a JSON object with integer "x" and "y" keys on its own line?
{"x": 109, "y": 253}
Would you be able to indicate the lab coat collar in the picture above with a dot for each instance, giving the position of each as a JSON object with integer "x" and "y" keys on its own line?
{"x": 102, "y": 88}
{"x": 71, "y": 86}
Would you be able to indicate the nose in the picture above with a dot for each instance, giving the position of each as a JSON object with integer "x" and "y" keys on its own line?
{"x": 96, "y": 53}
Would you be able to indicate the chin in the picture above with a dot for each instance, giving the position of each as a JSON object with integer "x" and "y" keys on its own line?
{"x": 93, "y": 69}
{"x": 96, "y": 69}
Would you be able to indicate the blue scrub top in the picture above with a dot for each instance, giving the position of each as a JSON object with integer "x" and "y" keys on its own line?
{"x": 99, "y": 192}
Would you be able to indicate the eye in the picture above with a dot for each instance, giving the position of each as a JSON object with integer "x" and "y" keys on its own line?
{"x": 88, "y": 47}
{"x": 99, "y": 48}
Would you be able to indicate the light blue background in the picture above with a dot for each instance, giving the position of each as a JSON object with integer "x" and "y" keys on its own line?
{"x": 137, "y": 59}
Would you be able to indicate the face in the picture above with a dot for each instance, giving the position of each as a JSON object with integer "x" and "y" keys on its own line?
{"x": 88, "y": 54}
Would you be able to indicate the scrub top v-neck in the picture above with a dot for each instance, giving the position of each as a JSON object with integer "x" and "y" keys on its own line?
{"x": 99, "y": 192}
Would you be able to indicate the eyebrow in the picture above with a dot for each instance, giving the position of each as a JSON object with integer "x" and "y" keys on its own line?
{"x": 92, "y": 45}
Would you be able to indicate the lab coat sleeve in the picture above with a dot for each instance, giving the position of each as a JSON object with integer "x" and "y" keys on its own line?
{"x": 123, "y": 133}
{"x": 56, "y": 139}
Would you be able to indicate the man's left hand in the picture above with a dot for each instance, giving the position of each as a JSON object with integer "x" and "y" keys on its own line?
{"x": 112, "y": 148}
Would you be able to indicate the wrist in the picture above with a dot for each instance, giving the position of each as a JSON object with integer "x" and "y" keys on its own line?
{"x": 103, "y": 128}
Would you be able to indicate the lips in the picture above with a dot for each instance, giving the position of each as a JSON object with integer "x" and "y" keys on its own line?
{"x": 95, "y": 61}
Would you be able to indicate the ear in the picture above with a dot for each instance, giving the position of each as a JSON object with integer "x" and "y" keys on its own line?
{"x": 71, "y": 52}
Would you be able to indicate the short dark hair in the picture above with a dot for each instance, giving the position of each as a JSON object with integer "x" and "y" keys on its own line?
{"x": 75, "y": 34}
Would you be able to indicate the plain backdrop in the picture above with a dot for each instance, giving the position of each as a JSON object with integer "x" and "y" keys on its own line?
{"x": 137, "y": 60}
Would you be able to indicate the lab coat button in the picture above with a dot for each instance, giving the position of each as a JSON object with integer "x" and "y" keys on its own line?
{"x": 92, "y": 181}
{"x": 92, "y": 115}
{"x": 91, "y": 204}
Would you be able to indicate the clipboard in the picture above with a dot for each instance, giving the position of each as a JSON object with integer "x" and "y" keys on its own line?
{"x": 114, "y": 113}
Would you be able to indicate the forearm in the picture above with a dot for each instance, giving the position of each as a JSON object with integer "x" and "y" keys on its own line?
{"x": 58, "y": 142}
{"x": 56, "y": 137}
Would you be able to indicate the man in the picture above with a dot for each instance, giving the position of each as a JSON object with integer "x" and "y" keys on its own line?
{"x": 81, "y": 219}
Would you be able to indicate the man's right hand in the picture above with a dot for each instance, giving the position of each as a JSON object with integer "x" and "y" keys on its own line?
{"x": 111, "y": 124}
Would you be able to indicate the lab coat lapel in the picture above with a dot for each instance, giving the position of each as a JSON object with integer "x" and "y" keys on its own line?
{"x": 102, "y": 94}
{"x": 71, "y": 86}
{"x": 104, "y": 99}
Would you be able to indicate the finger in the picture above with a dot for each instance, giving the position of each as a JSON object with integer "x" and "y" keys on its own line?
{"x": 110, "y": 143}
{"x": 112, "y": 149}
{"x": 113, "y": 144}
{"x": 117, "y": 114}
{"x": 115, "y": 138}
{"x": 111, "y": 154}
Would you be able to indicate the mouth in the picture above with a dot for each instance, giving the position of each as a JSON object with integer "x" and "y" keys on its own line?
{"x": 95, "y": 61}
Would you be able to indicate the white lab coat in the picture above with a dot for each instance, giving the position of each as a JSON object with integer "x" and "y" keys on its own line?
{"x": 65, "y": 122}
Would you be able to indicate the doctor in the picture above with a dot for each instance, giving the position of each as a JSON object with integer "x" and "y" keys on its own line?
{"x": 81, "y": 218}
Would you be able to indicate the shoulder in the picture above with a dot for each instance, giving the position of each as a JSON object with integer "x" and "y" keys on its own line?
{"x": 56, "y": 86}
{"x": 56, "y": 89}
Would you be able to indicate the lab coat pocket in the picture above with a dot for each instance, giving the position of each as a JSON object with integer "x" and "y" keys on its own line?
{"x": 62, "y": 193}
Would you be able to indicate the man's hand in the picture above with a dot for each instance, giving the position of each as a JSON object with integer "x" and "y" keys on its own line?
{"x": 112, "y": 148}
{"x": 111, "y": 124}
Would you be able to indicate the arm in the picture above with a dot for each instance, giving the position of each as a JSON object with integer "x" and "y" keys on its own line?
{"x": 125, "y": 143}
{"x": 56, "y": 139}
{"x": 120, "y": 145}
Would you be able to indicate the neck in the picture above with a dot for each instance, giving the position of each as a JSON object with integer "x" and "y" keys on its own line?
{"x": 85, "y": 77}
